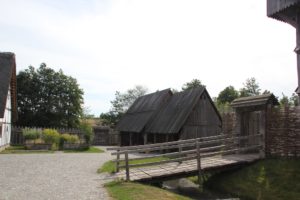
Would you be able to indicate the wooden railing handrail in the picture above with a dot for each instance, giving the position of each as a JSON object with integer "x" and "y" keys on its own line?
{"x": 204, "y": 155}
{"x": 173, "y": 153}
{"x": 182, "y": 144}
{"x": 164, "y": 143}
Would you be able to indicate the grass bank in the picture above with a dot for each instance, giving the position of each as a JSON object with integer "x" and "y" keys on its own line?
{"x": 89, "y": 150}
{"x": 22, "y": 150}
{"x": 136, "y": 191}
{"x": 110, "y": 166}
{"x": 271, "y": 179}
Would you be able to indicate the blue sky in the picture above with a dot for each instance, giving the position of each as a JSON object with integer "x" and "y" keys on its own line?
{"x": 115, "y": 45}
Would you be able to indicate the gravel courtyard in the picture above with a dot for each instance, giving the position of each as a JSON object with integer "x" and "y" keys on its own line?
{"x": 57, "y": 176}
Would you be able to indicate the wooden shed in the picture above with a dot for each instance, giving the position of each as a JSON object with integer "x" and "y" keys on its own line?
{"x": 133, "y": 123}
{"x": 163, "y": 116}
{"x": 188, "y": 114}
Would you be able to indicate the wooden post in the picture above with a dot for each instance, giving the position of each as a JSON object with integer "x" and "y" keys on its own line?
{"x": 180, "y": 150}
{"x": 262, "y": 130}
{"x": 145, "y": 138}
{"x": 127, "y": 166}
{"x": 118, "y": 161}
{"x": 238, "y": 129}
{"x": 130, "y": 139}
{"x": 198, "y": 161}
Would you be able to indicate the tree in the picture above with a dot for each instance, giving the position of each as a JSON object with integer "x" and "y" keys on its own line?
{"x": 294, "y": 99}
{"x": 121, "y": 103}
{"x": 192, "y": 84}
{"x": 48, "y": 98}
{"x": 227, "y": 95}
{"x": 251, "y": 88}
{"x": 284, "y": 101}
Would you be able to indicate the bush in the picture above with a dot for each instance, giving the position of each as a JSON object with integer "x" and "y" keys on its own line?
{"x": 67, "y": 138}
{"x": 31, "y": 134}
{"x": 51, "y": 136}
{"x": 87, "y": 130}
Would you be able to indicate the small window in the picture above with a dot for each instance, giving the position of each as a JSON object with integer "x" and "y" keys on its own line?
{"x": 0, "y": 131}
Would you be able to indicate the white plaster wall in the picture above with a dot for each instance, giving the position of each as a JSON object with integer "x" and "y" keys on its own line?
{"x": 6, "y": 122}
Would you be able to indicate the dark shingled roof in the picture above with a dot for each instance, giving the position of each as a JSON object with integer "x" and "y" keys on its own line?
{"x": 142, "y": 111}
{"x": 173, "y": 115}
{"x": 255, "y": 101}
{"x": 283, "y": 10}
{"x": 7, "y": 78}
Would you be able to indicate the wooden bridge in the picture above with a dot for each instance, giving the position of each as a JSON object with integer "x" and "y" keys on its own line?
{"x": 186, "y": 157}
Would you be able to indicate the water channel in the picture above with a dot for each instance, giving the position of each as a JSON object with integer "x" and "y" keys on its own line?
{"x": 189, "y": 189}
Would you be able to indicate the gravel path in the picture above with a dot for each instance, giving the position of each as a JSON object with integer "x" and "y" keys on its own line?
{"x": 58, "y": 176}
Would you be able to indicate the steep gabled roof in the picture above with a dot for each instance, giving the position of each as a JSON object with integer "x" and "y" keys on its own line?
{"x": 7, "y": 78}
{"x": 174, "y": 114}
{"x": 142, "y": 111}
{"x": 255, "y": 101}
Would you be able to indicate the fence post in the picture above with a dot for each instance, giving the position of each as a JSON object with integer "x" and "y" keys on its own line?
{"x": 198, "y": 161}
{"x": 262, "y": 146}
{"x": 127, "y": 166}
{"x": 118, "y": 161}
{"x": 180, "y": 151}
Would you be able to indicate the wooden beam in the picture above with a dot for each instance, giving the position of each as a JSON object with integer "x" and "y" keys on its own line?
{"x": 127, "y": 167}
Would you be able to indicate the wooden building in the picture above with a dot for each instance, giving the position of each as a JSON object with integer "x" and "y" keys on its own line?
{"x": 183, "y": 115}
{"x": 8, "y": 104}
{"x": 133, "y": 123}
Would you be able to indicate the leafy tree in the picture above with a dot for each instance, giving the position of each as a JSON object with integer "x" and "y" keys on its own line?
{"x": 266, "y": 92}
{"x": 192, "y": 84}
{"x": 251, "y": 88}
{"x": 110, "y": 118}
{"x": 48, "y": 98}
{"x": 121, "y": 103}
{"x": 227, "y": 95}
{"x": 284, "y": 101}
{"x": 294, "y": 99}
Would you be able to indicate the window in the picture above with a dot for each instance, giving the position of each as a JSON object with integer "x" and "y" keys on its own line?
{"x": 0, "y": 130}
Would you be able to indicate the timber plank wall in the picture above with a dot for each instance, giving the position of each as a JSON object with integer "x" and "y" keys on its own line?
{"x": 282, "y": 130}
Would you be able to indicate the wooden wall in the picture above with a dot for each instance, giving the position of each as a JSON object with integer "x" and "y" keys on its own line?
{"x": 203, "y": 121}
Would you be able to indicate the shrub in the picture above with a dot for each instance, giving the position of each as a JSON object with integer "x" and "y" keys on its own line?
{"x": 31, "y": 134}
{"x": 68, "y": 138}
{"x": 51, "y": 136}
{"x": 87, "y": 130}
{"x": 73, "y": 139}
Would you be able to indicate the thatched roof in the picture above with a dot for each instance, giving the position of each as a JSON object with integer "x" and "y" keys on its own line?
{"x": 8, "y": 79}
{"x": 142, "y": 111}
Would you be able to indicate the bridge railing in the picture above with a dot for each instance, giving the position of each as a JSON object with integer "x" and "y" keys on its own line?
{"x": 183, "y": 150}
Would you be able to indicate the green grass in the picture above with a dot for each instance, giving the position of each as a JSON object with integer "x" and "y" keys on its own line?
{"x": 22, "y": 150}
{"x": 136, "y": 191}
{"x": 271, "y": 179}
{"x": 110, "y": 166}
{"x": 89, "y": 150}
